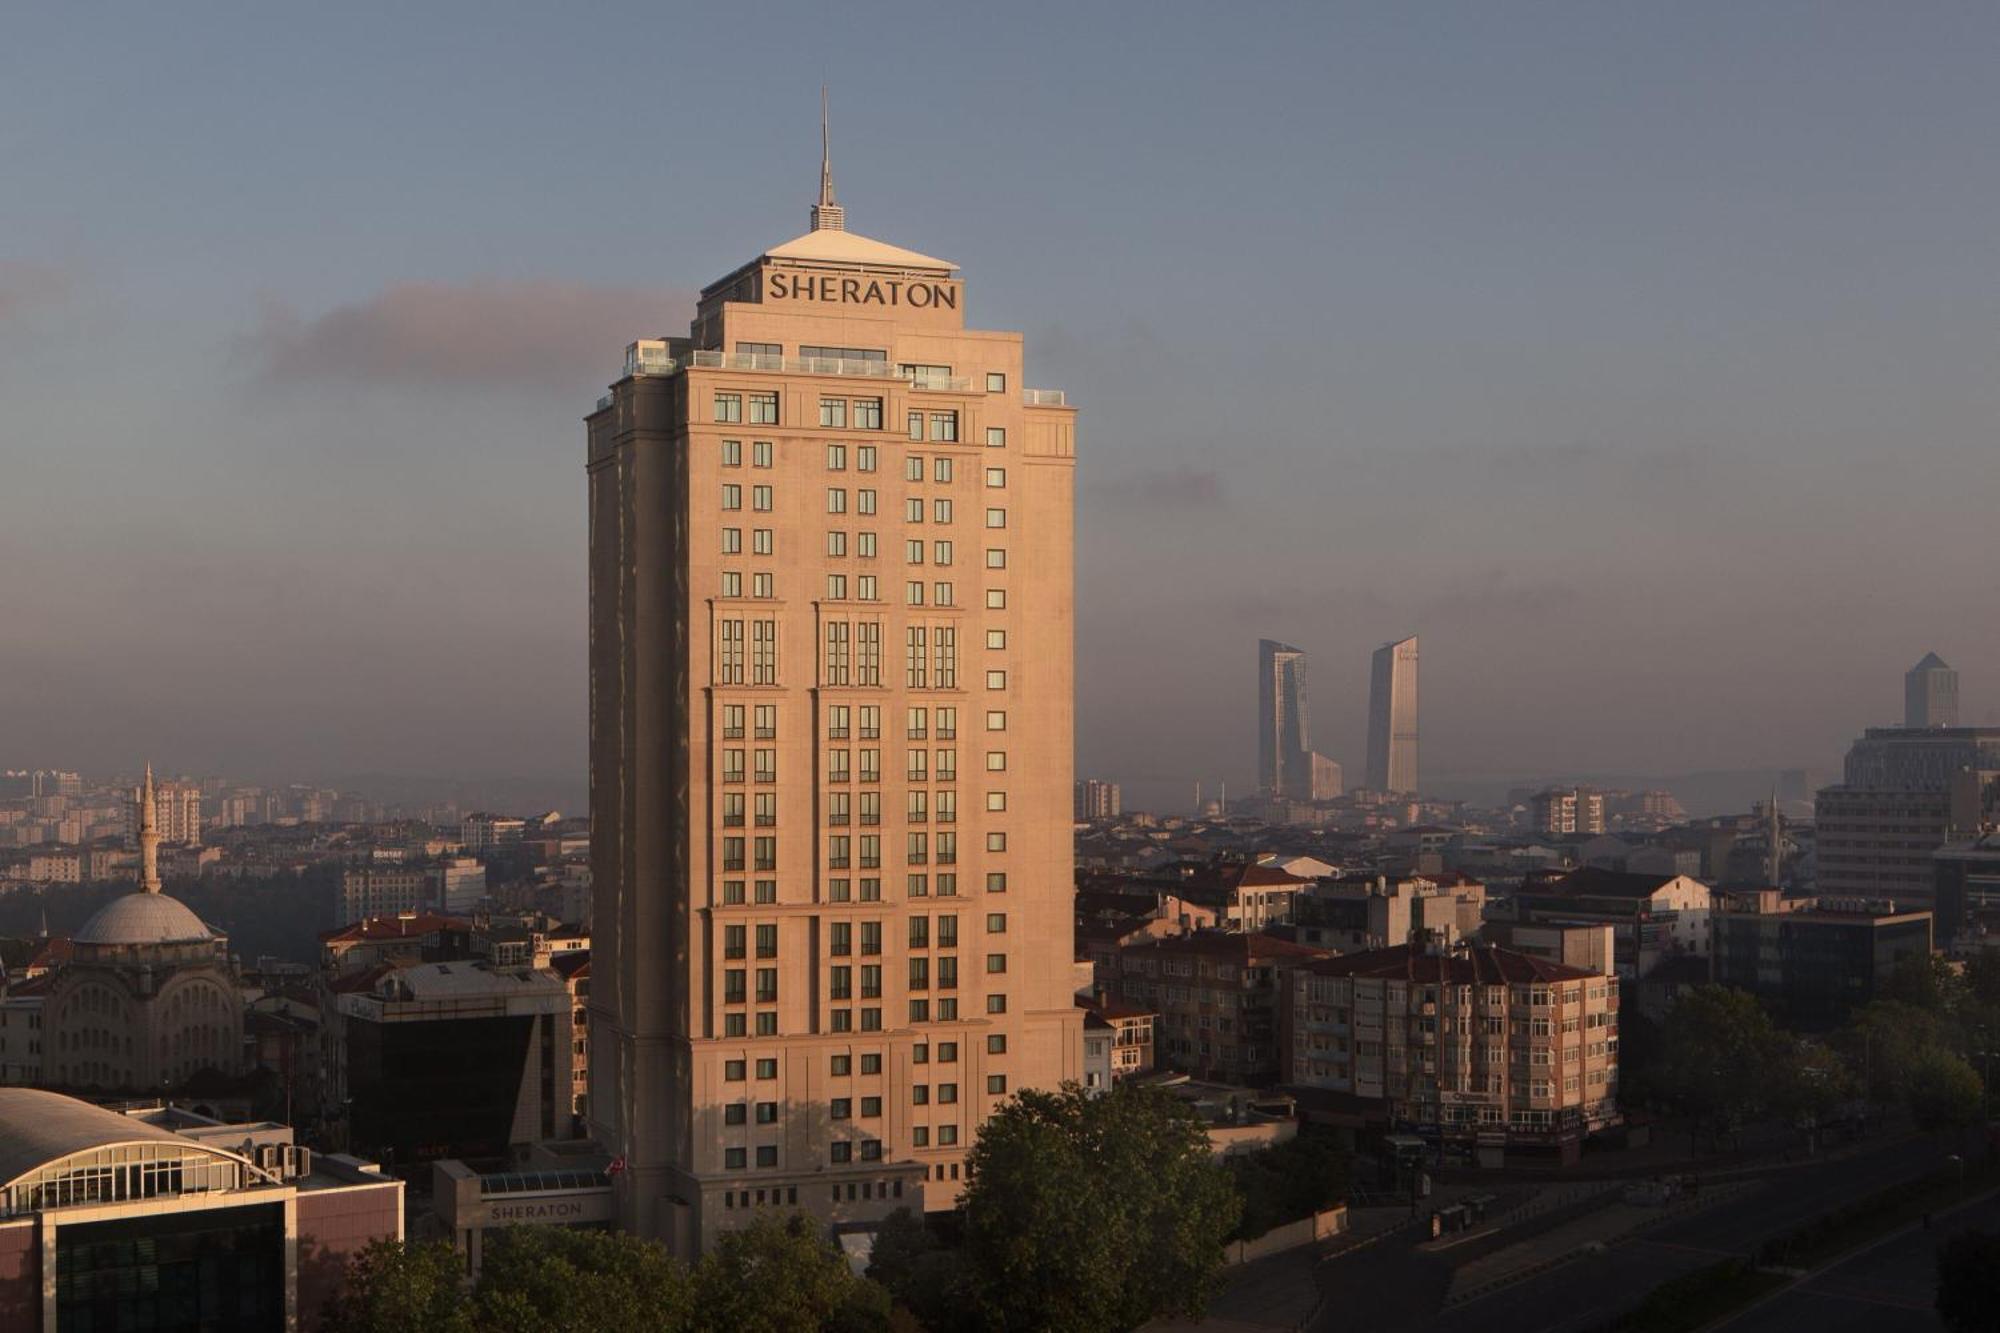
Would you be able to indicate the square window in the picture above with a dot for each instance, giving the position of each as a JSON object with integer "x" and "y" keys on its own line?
{"x": 734, "y": 1159}
{"x": 996, "y": 437}
{"x": 948, "y": 1135}
{"x": 996, "y": 518}
{"x": 996, "y": 638}
{"x": 871, "y": 1064}
{"x": 996, "y": 1085}
{"x": 736, "y": 1113}
{"x": 996, "y": 881}
{"x": 732, "y": 1071}
{"x": 996, "y": 477}
{"x": 841, "y": 1151}
{"x": 996, "y": 599}
{"x": 996, "y": 800}
{"x": 767, "y": 1155}
{"x": 842, "y": 1065}
{"x": 996, "y": 381}
{"x": 996, "y": 719}
{"x": 996, "y": 557}
{"x": 767, "y": 1069}
{"x": 996, "y": 841}
{"x": 996, "y": 1044}
{"x": 996, "y": 680}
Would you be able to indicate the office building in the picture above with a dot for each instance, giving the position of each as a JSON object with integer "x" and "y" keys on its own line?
{"x": 176, "y": 813}
{"x": 1968, "y": 891}
{"x": 1930, "y": 694}
{"x": 1097, "y": 800}
{"x": 1905, "y": 793}
{"x": 1813, "y": 960}
{"x": 386, "y": 890}
{"x": 831, "y": 731}
{"x": 1476, "y": 1046}
{"x": 1284, "y": 729}
{"x": 1392, "y": 717}
{"x": 158, "y": 1218}
{"x": 451, "y": 1059}
{"x": 461, "y": 883}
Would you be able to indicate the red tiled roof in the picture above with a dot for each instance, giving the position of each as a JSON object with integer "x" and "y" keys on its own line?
{"x": 1261, "y": 876}
{"x": 1480, "y": 965}
{"x": 1111, "y": 1008}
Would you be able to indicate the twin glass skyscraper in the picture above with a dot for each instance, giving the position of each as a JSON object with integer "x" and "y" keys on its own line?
{"x": 1284, "y": 732}
{"x": 1392, "y": 717}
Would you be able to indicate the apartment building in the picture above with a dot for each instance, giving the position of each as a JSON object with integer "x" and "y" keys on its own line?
{"x": 1473, "y": 1045}
{"x": 1215, "y": 998}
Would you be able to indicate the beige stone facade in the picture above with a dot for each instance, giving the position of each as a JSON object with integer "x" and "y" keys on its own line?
{"x": 831, "y": 722}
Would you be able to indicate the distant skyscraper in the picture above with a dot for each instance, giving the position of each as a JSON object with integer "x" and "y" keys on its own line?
{"x": 1930, "y": 694}
{"x": 1098, "y": 800}
{"x": 1392, "y": 717}
{"x": 1284, "y": 734}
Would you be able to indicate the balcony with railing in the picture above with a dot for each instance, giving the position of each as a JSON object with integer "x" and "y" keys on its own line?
{"x": 1044, "y": 398}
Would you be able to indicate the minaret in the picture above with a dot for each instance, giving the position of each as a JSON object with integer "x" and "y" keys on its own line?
{"x": 149, "y": 839}
{"x": 1774, "y": 831}
{"x": 826, "y": 214}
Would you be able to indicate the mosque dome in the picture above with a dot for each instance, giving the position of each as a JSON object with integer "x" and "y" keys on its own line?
{"x": 144, "y": 918}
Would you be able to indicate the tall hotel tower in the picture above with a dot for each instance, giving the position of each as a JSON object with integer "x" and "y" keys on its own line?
{"x": 1392, "y": 717}
{"x": 831, "y": 627}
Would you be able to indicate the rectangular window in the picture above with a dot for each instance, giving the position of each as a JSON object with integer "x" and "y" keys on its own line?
{"x": 732, "y": 541}
{"x": 836, "y": 663}
{"x": 764, "y": 653}
{"x": 840, "y": 938}
{"x": 836, "y": 587}
{"x": 732, "y": 583}
{"x": 996, "y": 881}
{"x": 836, "y": 458}
{"x": 941, "y": 470}
{"x": 767, "y": 1155}
{"x": 760, "y": 585}
{"x": 729, "y": 407}
{"x": 867, "y": 414}
{"x": 760, "y": 453}
{"x": 865, "y": 588}
{"x": 763, "y": 409}
{"x": 836, "y": 722}
{"x": 732, "y": 495}
{"x": 733, "y": 1159}
{"x": 836, "y": 500}
{"x": 996, "y": 382}
{"x": 864, "y": 545}
{"x": 864, "y": 458}
{"x": 760, "y": 541}
{"x": 836, "y": 543}
{"x": 913, "y": 552}
{"x": 996, "y": 557}
{"x": 996, "y": 477}
{"x": 916, "y": 425}
{"x": 833, "y": 412}
{"x": 996, "y": 720}
{"x": 913, "y": 467}
{"x": 729, "y": 666}
{"x": 996, "y": 518}
{"x": 996, "y": 437}
{"x": 996, "y": 842}
{"x": 946, "y": 642}
{"x": 913, "y": 510}
{"x": 916, "y": 657}
{"x": 732, "y": 453}
{"x": 941, "y": 511}
{"x": 996, "y": 599}
{"x": 996, "y": 761}
{"x": 732, "y": 1071}
{"x": 913, "y": 592}
{"x": 940, "y": 553}
{"x": 864, "y": 503}
{"x": 996, "y": 638}
{"x": 760, "y": 499}
{"x": 944, "y": 426}
{"x": 996, "y": 680}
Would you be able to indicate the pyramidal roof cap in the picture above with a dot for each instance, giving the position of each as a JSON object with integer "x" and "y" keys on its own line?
{"x": 1931, "y": 662}
{"x": 827, "y": 246}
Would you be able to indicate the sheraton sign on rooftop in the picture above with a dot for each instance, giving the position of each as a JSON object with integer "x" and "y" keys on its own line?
{"x": 860, "y": 289}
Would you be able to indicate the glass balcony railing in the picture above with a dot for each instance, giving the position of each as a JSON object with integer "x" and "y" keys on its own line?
{"x": 1044, "y": 398}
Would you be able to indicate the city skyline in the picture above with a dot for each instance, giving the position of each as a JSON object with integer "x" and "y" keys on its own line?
{"x": 1549, "y": 361}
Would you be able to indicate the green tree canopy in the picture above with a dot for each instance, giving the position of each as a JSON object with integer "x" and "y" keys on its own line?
{"x": 1944, "y": 1092}
{"x": 779, "y": 1275}
{"x": 560, "y": 1280}
{"x": 1091, "y": 1214}
{"x": 390, "y": 1287}
{"x": 1720, "y": 1056}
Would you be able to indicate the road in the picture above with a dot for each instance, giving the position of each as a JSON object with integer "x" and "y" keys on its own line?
{"x": 1887, "y": 1288}
{"x": 1389, "y": 1290}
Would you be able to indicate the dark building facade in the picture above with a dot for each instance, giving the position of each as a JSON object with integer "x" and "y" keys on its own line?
{"x": 1814, "y": 965}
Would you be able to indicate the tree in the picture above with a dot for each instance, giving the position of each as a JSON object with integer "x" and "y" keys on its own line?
{"x": 1287, "y": 1181}
{"x": 1720, "y": 1050}
{"x": 925, "y": 1279}
{"x": 559, "y": 1280}
{"x": 1944, "y": 1092}
{"x": 1090, "y": 1214}
{"x": 1809, "y": 1083}
{"x": 1925, "y": 981}
{"x": 390, "y": 1287}
{"x": 779, "y": 1275}
{"x": 1882, "y": 1042}
{"x": 1968, "y": 1290}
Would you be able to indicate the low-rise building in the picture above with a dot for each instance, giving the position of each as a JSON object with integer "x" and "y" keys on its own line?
{"x": 157, "y": 1218}
{"x": 1130, "y": 1050}
{"x": 1471, "y": 1045}
{"x": 1814, "y": 960}
{"x": 1653, "y": 916}
{"x": 1216, "y": 997}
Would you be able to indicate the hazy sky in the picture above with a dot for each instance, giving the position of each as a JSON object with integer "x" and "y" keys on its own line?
{"x": 1640, "y": 358}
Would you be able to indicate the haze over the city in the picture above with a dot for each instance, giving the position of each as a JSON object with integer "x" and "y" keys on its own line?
{"x": 1640, "y": 362}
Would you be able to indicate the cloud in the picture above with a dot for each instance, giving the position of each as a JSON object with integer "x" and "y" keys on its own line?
{"x": 23, "y": 283}
{"x": 467, "y": 333}
{"x": 1180, "y": 487}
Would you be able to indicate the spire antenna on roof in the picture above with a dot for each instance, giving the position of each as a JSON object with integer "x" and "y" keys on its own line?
{"x": 827, "y": 214}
